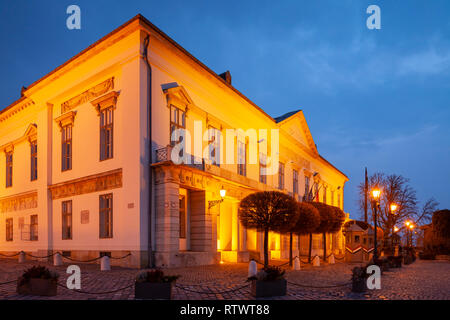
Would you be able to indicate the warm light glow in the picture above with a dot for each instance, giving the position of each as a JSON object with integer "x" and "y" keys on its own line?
{"x": 411, "y": 226}
{"x": 393, "y": 207}
{"x": 407, "y": 223}
{"x": 221, "y": 262}
{"x": 395, "y": 229}
{"x": 223, "y": 192}
{"x": 376, "y": 194}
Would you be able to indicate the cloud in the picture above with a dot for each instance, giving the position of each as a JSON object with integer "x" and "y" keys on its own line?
{"x": 426, "y": 62}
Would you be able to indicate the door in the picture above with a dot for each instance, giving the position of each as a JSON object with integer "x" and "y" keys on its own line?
{"x": 184, "y": 220}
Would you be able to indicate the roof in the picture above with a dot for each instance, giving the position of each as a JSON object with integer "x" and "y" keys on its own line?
{"x": 285, "y": 116}
{"x": 173, "y": 42}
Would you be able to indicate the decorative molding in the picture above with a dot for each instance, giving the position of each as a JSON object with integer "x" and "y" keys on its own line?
{"x": 9, "y": 148}
{"x": 31, "y": 133}
{"x": 8, "y": 113}
{"x": 66, "y": 119}
{"x": 94, "y": 183}
{"x": 18, "y": 202}
{"x": 105, "y": 101}
{"x": 88, "y": 95}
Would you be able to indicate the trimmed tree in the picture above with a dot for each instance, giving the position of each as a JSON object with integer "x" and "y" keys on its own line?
{"x": 327, "y": 222}
{"x": 268, "y": 211}
{"x": 308, "y": 220}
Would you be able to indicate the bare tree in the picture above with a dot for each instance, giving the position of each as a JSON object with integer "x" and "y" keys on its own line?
{"x": 396, "y": 189}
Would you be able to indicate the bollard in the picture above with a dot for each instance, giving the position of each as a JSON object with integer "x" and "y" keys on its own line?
{"x": 57, "y": 260}
{"x": 316, "y": 261}
{"x": 252, "y": 268}
{"x": 104, "y": 264}
{"x": 297, "y": 264}
{"x": 22, "y": 257}
{"x": 331, "y": 259}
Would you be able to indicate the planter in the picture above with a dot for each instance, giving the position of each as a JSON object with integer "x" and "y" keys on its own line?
{"x": 153, "y": 290}
{"x": 395, "y": 261}
{"x": 38, "y": 287}
{"x": 359, "y": 285}
{"x": 260, "y": 288}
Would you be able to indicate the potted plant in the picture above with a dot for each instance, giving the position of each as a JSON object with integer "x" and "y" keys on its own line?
{"x": 38, "y": 281}
{"x": 153, "y": 284}
{"x": 359, "y": 279}
{"x": 268, "y": 282}
{"x": 395, "y": 261}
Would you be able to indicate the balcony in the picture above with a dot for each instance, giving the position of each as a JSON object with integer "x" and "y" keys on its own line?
{"x": 165, "y": 155}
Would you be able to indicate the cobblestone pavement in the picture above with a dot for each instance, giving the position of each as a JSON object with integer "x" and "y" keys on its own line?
{"x": 420, "y": 280}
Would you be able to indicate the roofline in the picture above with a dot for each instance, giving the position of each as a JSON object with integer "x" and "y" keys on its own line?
{"x": 140, "y": 17}
{"x": 333, "y": 167}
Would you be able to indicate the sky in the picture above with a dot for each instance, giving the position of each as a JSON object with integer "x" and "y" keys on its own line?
{"x": 375, "y": 98}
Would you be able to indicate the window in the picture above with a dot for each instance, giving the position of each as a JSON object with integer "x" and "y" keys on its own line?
{"x": 262, "y": 168}
{"x": 324, "y": 200}
{"x": 66, "y": 147}
{"x": 281, "y": 176}
{"x": 356, "y": 239}
{"x": 177, "y": 121}
{"x": 106, "y": 216}
{"x": 9, "y": 229}
{"x": 214, "y": 145}
{"x": 332, "y": 197}
{"x": 183, "y": 217}
{"x": 9, "y": 168}
{"x": 33, "y": 158}
{"x": 307, "y": 187}
{"x": 106, "y": 133}
{"x": 34, "y": 227}
{"x": 242, "y": 156}
{"x": 295, "y": 181}
{"x": 339, "y": 200}
{"x": 66, "y": 218}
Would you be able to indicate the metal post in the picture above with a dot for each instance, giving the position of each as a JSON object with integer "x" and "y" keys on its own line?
{"x": 375, "y": 251}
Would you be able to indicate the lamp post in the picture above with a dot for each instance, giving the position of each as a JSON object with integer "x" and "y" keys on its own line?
{"x": 411, "y": 227}
{"x": 375, "y": 203}
{"x": 392, "y": 208}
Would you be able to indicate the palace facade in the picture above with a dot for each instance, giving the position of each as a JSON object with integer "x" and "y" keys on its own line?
{"x": 87, "y": 163}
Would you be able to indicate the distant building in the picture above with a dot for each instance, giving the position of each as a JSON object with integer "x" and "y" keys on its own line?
{"x": 86, "y": 169}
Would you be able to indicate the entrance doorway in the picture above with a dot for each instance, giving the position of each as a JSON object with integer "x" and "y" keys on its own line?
{"x": 184, "y": 220}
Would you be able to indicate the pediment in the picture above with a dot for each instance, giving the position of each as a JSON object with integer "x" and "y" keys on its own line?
{"x": 31, "y": 132}
{"x": 296, "y": 127}
{"x": 178, "y": 96}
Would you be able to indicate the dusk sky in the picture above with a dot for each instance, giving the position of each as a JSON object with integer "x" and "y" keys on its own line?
{"x": 375, "y": 98}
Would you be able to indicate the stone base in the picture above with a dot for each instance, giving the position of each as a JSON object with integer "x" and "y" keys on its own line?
{"x": 185, "y": 259}
{"x": 235, "y": 256}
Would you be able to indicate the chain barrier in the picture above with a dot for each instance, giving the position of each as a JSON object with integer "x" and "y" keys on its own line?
{"x": 319, "y": 287}
{"x": 8, "y": 282}
{"x": 105, "y": 292}
{"x": 211, "y": 291}
{"x": 63, "y": 256}
{"x": 10, "y": 256}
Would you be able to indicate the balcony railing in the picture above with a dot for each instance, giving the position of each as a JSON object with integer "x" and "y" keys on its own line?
{"x": 165, "y": 154}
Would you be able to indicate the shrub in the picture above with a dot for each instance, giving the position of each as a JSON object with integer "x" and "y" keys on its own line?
{"x": 269, "y": 273}
{"x": 37, "y": 272}
{"x": 155, "y": 276}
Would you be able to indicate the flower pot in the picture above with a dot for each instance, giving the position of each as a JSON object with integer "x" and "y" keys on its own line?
{"x": 153, "y": 290}
{"x": 38, "y": 287}
{"x": 359, "y": 285}
{"x": 261, "y": 288}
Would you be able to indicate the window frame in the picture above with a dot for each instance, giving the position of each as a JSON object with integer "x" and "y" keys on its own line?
{"x": 108, "y": 224}
{"x": 9, "y": 169}
{"x": 106, "y": 119}
{"x": 33, "y": 161}
{"x": 66, "y": 153}
{"x": 34, "y": 222}
{"x": 281, "y": 177}
{"x": 295, "y": 181}
{"x": 9, "y": 225}
{"x": 178, "y": 123}
{"x": 66, "y": 231}
{"x": 241, "y": 155}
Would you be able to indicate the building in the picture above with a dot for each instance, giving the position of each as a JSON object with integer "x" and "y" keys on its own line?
{"x": 88, "y": 170}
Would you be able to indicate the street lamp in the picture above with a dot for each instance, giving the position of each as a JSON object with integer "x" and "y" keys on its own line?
{"x": 393, "y": 207}
{"x": 375, "y": 203}
{"x": 222, "y": 193}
